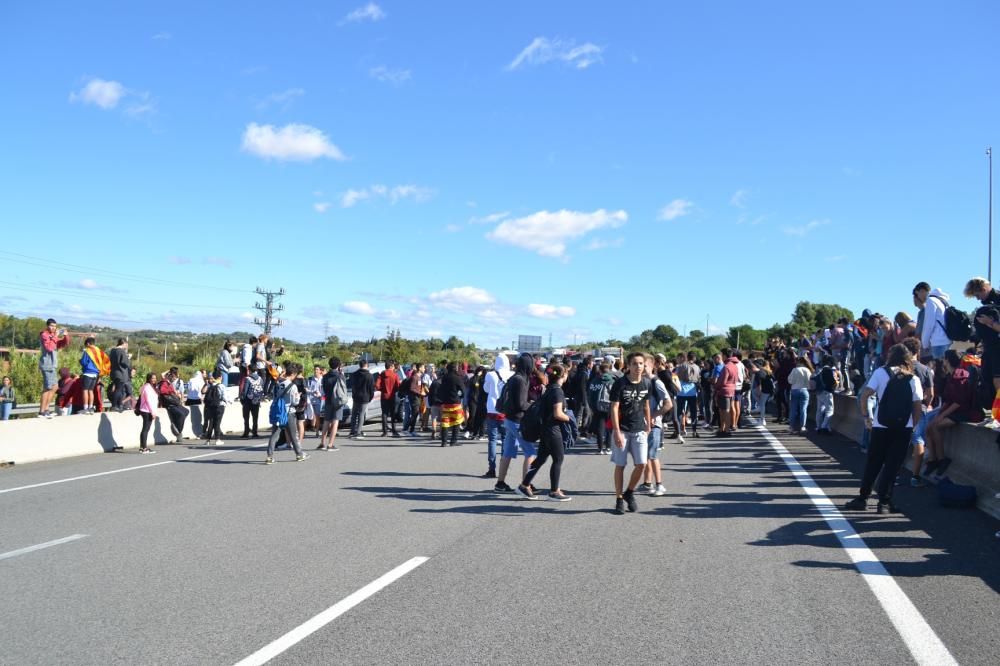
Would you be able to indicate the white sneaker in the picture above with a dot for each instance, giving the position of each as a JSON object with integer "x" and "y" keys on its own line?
{"x": 467, "y": 435}
{"x": 658, "y": 491}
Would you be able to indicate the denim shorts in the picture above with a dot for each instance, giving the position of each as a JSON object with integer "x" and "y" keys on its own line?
{"x": 653, "y": 443}
{"x": 50, "y": 378}
{"x": 512, "y": 442}
{"x": 635, "y": 445}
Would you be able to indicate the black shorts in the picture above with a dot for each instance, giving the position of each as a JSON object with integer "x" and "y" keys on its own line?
{"x": 991, "y": 362}
{"x": 88, "y": 382}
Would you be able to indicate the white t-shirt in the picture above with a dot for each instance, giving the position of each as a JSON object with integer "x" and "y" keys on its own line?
{"x": 880, "y": 380}
{"x": 799, "y": 378}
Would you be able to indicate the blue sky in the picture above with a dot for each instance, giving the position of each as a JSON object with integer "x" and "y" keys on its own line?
{"x": 581, "y": 169}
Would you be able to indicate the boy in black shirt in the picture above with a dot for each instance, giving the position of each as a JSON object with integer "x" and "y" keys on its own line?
{"x": 630, "y": 424}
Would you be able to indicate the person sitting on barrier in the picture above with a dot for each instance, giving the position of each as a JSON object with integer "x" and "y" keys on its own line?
{"x": 957, "y": 406}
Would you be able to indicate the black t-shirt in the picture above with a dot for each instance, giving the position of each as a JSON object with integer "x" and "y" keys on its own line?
{"x": 632, "y": 400}
{"x": 553, "y": 396}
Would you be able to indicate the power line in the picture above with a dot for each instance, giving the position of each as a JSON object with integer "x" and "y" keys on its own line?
{"x": 56, "y": 291}
{"x": 86, "y": 270}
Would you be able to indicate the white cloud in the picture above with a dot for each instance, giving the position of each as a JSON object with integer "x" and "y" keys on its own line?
{"x": 292, "y": 142}
{"x": 246, "y": 316}
{"x": 282, "y": 99}
{"x": 162, "y": 36}
{"x": 550, "y": 311}
{"x": 357, "y": 307}
{"x": 385, "y": 74}
{"x": 434, "y": 334}
{"x": 803, "y": 230}
{"x": 601, "y": 244}
{"x": 105, "y": 94}
{"x": 547, "y": 233}
{"x": 453, "y": 228}
{"x": 675, "y": 209}
{"x": 392, "y": 194}
{"x": 739, "y": 198}
{"x": 321, "y": 206}
{"x": 542, "y": 50}
{"x": 492, "y": 218}
{"x": 87, "y": 283}
{"x": 714, "y": 329}
{"x": 835, "y": 259}
{"x": 461, "y": 298}
{"x": 180, "y": 261}
{"x": 369, "y": 12}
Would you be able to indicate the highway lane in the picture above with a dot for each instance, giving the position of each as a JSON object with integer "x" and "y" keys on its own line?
{"x": 208, "y": 560}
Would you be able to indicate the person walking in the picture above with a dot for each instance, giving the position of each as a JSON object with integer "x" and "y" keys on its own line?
{"x": 510, "y": 412}
{"x": 286, "y": 397}
{"x": 765, "y": 386}
{"x": 362, "y": 392}
{"x": 630, "y": 422}
{"x": 251, "y": 393}
{"x": 148, "y": 400}
{"x": 898, "y": 406}
{"x": 553, "y": 410}
{"x": 496, "y": 420}
{"x": 8, "y": 398}
{"x": 415, "y": 392}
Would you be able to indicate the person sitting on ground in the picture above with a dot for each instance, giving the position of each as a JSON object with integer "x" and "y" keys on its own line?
{"x": 957, "y": 406}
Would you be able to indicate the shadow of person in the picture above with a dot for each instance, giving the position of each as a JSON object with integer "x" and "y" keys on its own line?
{"x": 106, "y": 434}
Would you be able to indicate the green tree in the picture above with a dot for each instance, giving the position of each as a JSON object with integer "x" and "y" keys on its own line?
{"x": 746, "y": 336}
{"x": 664, "y": 333}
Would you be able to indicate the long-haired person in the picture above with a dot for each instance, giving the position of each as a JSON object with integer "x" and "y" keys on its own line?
{"x": 149, "y": 399}
{"x": 551, "y": 443}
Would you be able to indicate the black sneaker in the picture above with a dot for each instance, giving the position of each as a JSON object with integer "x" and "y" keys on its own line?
{"x": 502, "y": 487}
{"x": 620, "y": 507}
{"x": 857, "y": 504}
{"x": 886, "y": 507}
{"x": 490, "y": 474}
{"x": 644, "y": 488}
{"x": 943, "y": 465}
{"x": 629, "y": 497}
{"x": 930, "y": 467}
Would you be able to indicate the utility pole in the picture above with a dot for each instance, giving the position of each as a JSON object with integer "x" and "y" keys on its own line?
{"x": 269, "y": 308}
{"x": 989, "y": 260}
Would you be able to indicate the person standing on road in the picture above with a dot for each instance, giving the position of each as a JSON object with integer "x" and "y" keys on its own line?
{"x": 286, "y": 390}
{"x": 335, "y": 399}
{"x": 630, "y": 424}
{"x": 8, "y": 398}
{"x": 215, "y": 406}
{"x": 553, "y": 409}
{"x": 148, "y": 400}
{"x": 450, "y": 393}
{"x": 387, "y": 384}
{"x": 660, "y": 405}
{"x": 251, "y": 393}
{"x": 362, "y": 392}
{"x": 725, "y": 389}
{"x": 512, "y": 409}
{"x": 898, "y": 406}
{"x": 52, "y": 339}
{"x": 798, "y": 395}
{"x": 599, "y": 396}
{"x": 315, "y": 389}
{"x": 496, "y": 421}
{"x": 415, "y": 392}
{"x": 121, "y": 374}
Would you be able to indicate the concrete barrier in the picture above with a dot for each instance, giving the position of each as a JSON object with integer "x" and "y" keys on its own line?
{"x": 33, "y": 440}
{"x": 974, "y": 453}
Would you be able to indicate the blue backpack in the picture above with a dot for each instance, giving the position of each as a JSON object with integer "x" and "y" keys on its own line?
{"x": 278, "y": 416}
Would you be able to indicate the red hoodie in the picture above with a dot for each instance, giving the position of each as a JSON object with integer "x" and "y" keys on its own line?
{"x": 725, "y": 385}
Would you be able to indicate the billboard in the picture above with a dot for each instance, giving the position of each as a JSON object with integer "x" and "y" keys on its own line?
{"x": 529, "y": 343}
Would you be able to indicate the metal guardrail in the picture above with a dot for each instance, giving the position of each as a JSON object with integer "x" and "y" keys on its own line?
{"x": 31, "y": 409}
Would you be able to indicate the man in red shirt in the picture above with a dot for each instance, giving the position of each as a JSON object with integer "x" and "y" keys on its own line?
{"x": 387, "y": 383}
{"x": 725, "y": 391}
{"x": 51, "y": 339}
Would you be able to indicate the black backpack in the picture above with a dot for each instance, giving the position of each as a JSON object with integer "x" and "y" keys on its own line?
{"x": 827, "y": 380}
{"x": 215, "y": 395}
{"x": 767, "y": 384}
{"x": 532, "y": 423}
{"x": 895, "y": 408}
{"x": 957, "y": 324}
{"x": 503, "y": 405}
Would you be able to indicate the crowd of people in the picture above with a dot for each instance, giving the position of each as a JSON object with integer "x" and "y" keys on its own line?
{"x": 913, "y": 379}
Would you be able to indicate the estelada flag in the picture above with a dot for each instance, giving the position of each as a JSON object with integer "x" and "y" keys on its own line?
{"x": 100, "y": 360}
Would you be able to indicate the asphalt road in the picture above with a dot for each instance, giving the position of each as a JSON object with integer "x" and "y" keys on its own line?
{"x": 208, "y": 560}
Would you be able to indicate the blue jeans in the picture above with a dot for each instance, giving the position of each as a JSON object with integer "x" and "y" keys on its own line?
{"x": 494, "y": 436}
{"x": 937, "y": 351}
{"x": 5, "y": 410}
{"x": 921, "y": 429}
{"x": 798, "y": 407}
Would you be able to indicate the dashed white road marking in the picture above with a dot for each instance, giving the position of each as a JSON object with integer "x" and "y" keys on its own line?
{"x": 47, "y": 544}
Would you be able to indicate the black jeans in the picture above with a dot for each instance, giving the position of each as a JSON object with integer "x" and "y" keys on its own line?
{"x": 707, "y": 406}
{"x": 250, "y": 409}
{"x": 147, "y": 421}
{"x": 583, "y": 414}
{"x": 886, "y": 454}
{"x": 601, "y": 430}
{"x": 358, "y": 411}
{"x": 120, "y": 389}
{"x": 781, "y": 402}
{"x": 550, "y": 446}
{"x": 388, "y": 416}
{"x": 213, "y": 416}
{"x": 449, "y": 435}
{"x": 177, "y": 415}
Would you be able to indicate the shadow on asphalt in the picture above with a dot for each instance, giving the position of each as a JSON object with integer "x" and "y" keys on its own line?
{"x": 474, "y": 476}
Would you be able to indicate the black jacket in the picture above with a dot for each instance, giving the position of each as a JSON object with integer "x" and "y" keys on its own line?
{"x": 451, "y": 390}
{"x": 362, "y": 386}
{"x": 121, "y": 366}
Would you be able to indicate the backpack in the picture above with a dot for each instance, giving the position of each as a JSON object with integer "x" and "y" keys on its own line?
{"x": 339, "y": 396}
{"x": 603, "y": 401}
{"x": 767, "y": 384}
{"x": 215, "y": 395}
{"x": 504, "y": 405}
{"x": 895, "y": 408}
{"x": 278, "y": 415}
{"x": 957, "y": 324}
{"x": 531, "y": 424}
{"x": 253, "y": 391}
{"x": 827, "y": 380}
{"x": 954, "y": 495}
{"x": 403, "y": 389}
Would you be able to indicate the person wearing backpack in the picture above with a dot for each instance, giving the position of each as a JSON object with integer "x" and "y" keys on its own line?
{"x": 898, "y": 407}
{"x": 215, "y": 406}
{"x": 957, "y": 406}
{"x": 765, "y": 386}
{"x": 251, "y": 393}
{"x": 599, "y": 395}
{"x": 553, "y": 412}
{"x": 825, "y": 381}
{"x": 931, "y": 321}
{"x": 282, "y": 414}
{"x": 511, "y": 406}
{"x": 494, "y": 383}
{"x": 334, "y": 401}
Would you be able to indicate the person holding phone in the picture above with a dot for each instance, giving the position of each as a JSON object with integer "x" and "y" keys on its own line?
{"x": 52, "y": 339}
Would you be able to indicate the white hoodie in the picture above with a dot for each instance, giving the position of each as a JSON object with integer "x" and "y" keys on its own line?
{"x": 932, "y": 334}
{"x": 494, "y": 381}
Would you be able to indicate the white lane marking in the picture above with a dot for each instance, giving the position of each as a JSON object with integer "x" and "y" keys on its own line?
{"x": 272, "y": 650}
{"x": 925, "y": 646}
{"x": 47, "y": 544}
{"x": 125, "y": 469}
